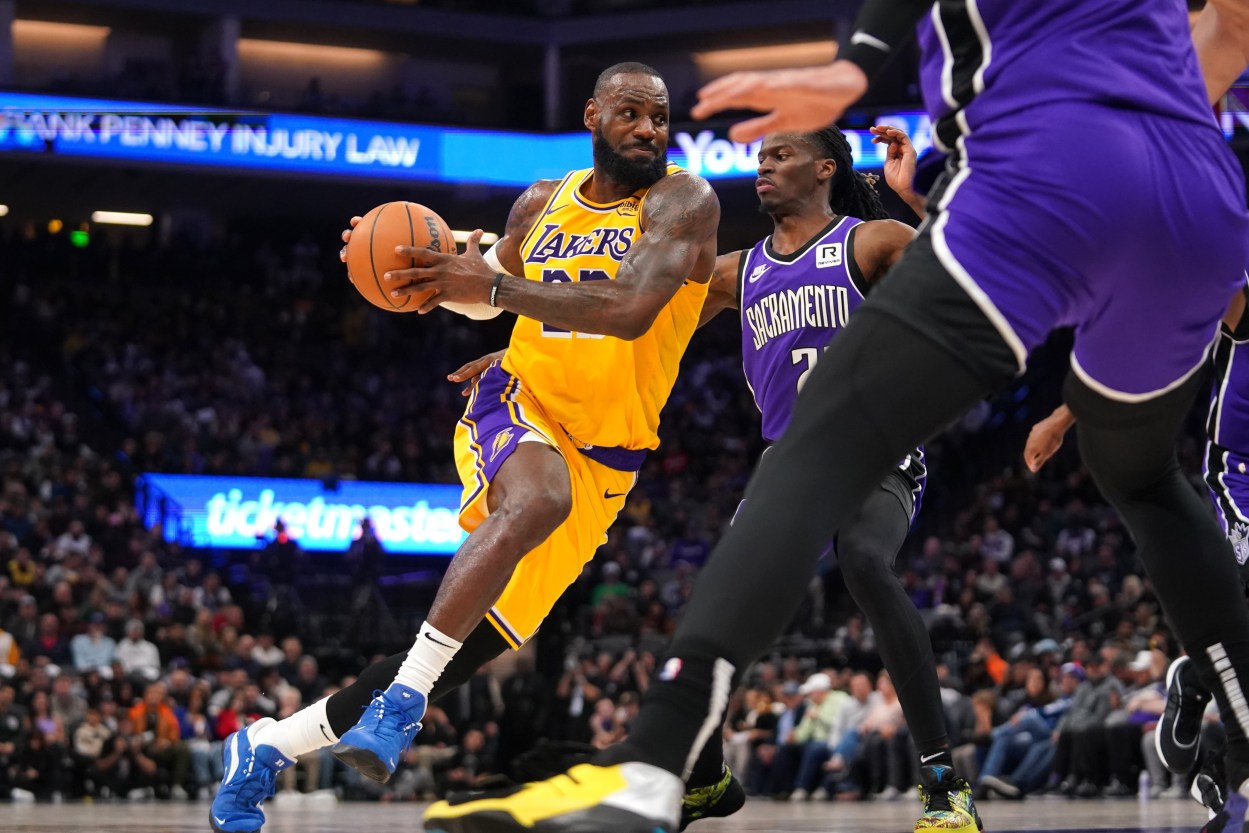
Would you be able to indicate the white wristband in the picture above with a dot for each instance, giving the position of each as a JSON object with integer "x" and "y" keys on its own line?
{"x": 492, "y": 260}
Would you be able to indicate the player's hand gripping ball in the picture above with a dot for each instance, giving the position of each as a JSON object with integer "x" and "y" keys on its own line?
{"x": 370, "y": 250}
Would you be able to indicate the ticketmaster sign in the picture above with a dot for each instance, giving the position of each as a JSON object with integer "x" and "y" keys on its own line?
{"x": 239, "y": 512}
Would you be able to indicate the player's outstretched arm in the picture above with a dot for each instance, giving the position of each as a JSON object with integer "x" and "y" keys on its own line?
{"x": 1221, "y": 36}
{"x": 722, "y": 294}
{"x": 799, "y": 100}
{"x": 1046, "y": 437}
{"x": 679, "y": 217}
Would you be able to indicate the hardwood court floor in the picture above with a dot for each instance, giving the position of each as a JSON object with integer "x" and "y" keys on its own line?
{"x": 1163, "y": 816}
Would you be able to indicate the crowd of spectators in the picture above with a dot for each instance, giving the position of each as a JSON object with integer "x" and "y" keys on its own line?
{"x": 126, "y": 659}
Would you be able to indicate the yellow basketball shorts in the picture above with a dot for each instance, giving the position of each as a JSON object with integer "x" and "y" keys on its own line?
{"x": 500, "y": 415}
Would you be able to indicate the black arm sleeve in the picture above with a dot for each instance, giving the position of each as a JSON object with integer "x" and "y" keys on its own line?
{"x": 881, "y": 27}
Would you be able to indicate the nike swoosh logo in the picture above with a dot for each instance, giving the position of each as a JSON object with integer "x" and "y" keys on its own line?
{"x": 864, "y": 37}
{"x": 219, "y": 821}
{"x": 436, "y": 642}
{"x": 923, "y": 759}
{"x": 611, "y": 496}
{"x": 327, "y": 734}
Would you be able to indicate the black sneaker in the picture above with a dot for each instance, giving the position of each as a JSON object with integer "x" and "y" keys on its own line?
{"x": 1209, "y": 784}
{"x": 1229, "y": 819}
{"x": 1178, "y": 736}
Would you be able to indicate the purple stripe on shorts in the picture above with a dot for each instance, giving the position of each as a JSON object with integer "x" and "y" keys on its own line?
{"x": 620, "y": 459}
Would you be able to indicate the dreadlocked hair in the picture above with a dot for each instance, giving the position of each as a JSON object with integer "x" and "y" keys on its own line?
{"x": 852, "y": 193}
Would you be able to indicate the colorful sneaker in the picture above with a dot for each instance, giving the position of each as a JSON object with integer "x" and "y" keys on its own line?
{"x": 948, "y": 804}
{"x": 1177, "y": 738}
{"x": 250, "y": 773}
{"x": 623, "y": 798}
{"x": 377, "y": 742}
{"x": 724, "y": 798}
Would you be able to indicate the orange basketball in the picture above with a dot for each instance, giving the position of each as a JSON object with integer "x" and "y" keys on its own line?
{"x": 371, "y": 252}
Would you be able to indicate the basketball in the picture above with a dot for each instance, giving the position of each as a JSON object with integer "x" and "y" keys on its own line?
{"x": 371, "y": 252}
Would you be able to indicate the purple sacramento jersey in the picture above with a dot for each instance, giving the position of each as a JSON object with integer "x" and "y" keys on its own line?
{"x": 792, "y": 307}
{"x": 1226, "y": 466}
{"x": 1138, "y": 242}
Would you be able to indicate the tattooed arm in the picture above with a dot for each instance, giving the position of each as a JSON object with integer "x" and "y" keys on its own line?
{"x": 506, "y": 252}
{"x": 679, "y": 219}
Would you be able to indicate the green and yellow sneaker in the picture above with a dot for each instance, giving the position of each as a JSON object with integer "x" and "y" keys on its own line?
{"x": 948, "y": 804}
{"x": 723, "y": 798}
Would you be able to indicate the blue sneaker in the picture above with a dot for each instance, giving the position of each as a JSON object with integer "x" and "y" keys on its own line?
{"x": 250, "y": 773}
{"x": 377, "y": 742}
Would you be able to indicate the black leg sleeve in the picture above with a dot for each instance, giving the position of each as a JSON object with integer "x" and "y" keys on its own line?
{"x": 866, "y": 550}
{"x": 344, "y": 707}
{"x": 881, "y": 389}
{"x": 1130, "y": 450}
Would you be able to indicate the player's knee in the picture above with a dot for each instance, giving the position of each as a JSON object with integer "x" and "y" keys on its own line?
{"x": 1128, "y": 475}
{"x": 864, "y": 562}
{"x": 539, "y": 510}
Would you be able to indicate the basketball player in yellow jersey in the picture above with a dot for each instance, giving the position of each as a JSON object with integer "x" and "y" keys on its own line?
{"x": 607, "y": 270}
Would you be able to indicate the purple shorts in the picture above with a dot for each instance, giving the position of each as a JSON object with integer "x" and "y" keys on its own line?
{"x": 1130, "y": 227}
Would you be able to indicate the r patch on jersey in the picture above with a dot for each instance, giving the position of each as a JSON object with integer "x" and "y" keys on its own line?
{"x": 828, "y": 254}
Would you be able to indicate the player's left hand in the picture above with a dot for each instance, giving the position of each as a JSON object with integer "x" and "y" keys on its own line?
{"x": 900, "y": 158}
{"x": 472, "y": 371}
{"x": 346, "y": 235}
{"x": 464, "y": 279}
{"x": 795, "y": 100}
{"x": 1044, "y": 440}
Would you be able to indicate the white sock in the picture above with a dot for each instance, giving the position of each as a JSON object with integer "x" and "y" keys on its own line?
{"x": 425, "y": 662}
{"x": 304, "y": 731}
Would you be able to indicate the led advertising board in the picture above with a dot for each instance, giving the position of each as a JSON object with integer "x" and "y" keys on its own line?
{"x": 318, "y": 145}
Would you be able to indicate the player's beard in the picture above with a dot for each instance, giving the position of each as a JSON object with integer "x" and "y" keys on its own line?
{"x": 633, "y": 173}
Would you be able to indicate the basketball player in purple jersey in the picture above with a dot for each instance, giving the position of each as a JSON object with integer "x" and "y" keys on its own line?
{"x": 1057, "y": 208}
{"x": 831, "y": 242}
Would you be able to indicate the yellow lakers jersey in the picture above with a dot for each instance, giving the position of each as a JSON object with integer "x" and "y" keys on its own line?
{"x": 603, "y": 391}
